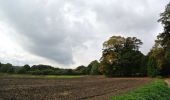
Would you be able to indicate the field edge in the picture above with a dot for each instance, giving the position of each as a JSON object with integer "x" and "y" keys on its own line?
{"x": 156, "y": 90}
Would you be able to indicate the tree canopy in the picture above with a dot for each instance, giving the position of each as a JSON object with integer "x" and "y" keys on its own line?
{"x": 159, "y": 56}
{"x": 121, "y": 56}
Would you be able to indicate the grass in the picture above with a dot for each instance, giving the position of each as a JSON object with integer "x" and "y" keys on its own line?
{"x": 157, "y": 90}
{"x": 38, "y": 76}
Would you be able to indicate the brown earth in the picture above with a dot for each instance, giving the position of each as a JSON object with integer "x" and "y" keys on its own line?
{"x": 87, "y": 88}
{"x": 167, "y": 81}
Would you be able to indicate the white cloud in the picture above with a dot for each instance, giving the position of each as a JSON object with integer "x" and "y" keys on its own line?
{"x": 70, "y": 33}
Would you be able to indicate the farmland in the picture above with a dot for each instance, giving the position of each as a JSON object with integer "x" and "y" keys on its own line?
{"x": 64, "y": 88}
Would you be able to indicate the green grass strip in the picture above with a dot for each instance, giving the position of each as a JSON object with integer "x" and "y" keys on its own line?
{"x": 157, "y": 90}
{"x": 38, "y": 76}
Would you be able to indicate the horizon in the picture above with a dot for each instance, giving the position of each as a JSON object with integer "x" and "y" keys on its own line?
{"x": 67, "y": 33}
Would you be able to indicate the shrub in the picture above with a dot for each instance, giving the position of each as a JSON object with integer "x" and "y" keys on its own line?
{"x": 7, "y": 68}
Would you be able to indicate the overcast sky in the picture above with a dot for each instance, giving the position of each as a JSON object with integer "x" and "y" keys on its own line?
{"x": 68, "y": 33}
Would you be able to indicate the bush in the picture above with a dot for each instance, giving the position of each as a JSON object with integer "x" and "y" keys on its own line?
{"x": 157, "y": 90}
{"x": 81, "y": 70}
{"x": 20, "y": 70}
{"x": 35, "y": 72}
{"x": 7, "y": 68}
{"x": 47, "y": 72}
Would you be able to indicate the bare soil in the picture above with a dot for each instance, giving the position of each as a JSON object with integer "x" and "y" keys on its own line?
{"x": 167, "y": 81}
{"x": 87, "y": 88}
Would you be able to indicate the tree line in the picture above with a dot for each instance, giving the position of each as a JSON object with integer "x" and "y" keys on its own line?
{"x": 92, "y": 69}
{"x": 120, "y": 57}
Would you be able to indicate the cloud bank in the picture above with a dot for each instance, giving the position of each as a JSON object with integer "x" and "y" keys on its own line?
{"x": 72, "y": 32}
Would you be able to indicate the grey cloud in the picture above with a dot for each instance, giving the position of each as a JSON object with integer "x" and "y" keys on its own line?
{"x": 129, "y": 15}
{"x": 55, "y": 29}
{"x": 45, "y": 31}
{"x": 132, "y": 18}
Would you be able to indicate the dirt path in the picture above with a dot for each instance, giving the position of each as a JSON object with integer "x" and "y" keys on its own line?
{"x": 168, "y": 82}
{"x": 85, "y": 88}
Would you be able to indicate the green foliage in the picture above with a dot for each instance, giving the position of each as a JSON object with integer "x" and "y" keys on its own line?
{"x": 38, "y": 76}
{"x": 164, "y": 37}
{"x": 82, "y": 70}
{"x": 152, "y": 69}
{"x": 159, "y": 56}
{"x": 157, "y": 60}
{"x": 7, "y": 68}
{"x": 121, "y": 57}
{"x": 157, "y": 90}
{"x": 27, "y": 67}
{"x": 41, "y": 67}
{"x": 93, "y": 68}
{"x": 89, "y": 68}
{"x": 41, "y": 70}
{"x": 164, "y": 40}
{"x": 132, "y": 63}
{"x": 21, "y": 70}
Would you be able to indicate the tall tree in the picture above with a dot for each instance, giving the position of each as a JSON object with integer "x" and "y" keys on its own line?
{"x": 159, "y": 57}
{"x": 110, "y": 55}
{"x": 164, "y": 37}
{"x": 121, "y": 56}
{"x": 156, "y": 61}
{"x": 132, "y": 43}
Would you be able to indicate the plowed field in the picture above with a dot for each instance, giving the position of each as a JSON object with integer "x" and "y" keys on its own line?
{"x": 87, "y": 88}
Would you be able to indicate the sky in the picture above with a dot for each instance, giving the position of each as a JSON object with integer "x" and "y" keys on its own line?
{"x": 69, "y": 33}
